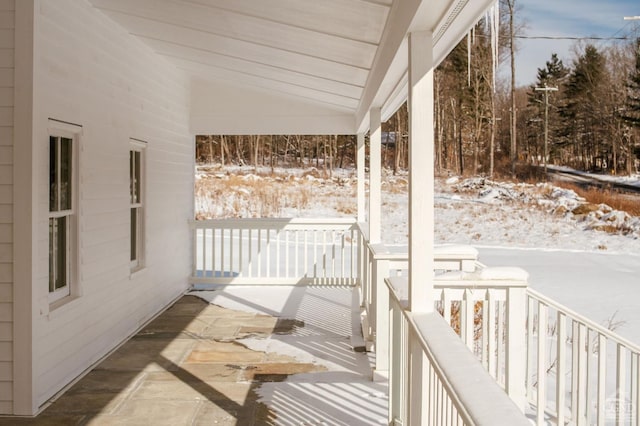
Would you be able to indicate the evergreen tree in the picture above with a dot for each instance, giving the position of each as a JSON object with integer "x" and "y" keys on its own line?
{"x": 585, "y": 105}
{"x": 632, "y": 104}
{"x": 554, "y": 74}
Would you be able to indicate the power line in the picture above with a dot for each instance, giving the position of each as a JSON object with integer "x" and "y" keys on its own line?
{"x": 570, "y": 38}
{"x": 559, "y": 37}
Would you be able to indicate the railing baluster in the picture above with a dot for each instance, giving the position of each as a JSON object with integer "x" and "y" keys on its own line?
{"x": 541, "y": 398}
{"x": 240, "y": 250}
{"x": 260, "y": 254}
{"x": 575, "y": 356}
{"x": 621, "y": 372}
{"x": 484, "y": 329}
{"x": 250, "y": 253}
{"x": 530, "y": 347}
{"x": 287, "y": 254}
{"x": 307, "y": 261}
{"x": 223, "y": 240}
{"x": 324, "y": 256}
{"x": 602, "y": 378}
{"x": 194, "y": 247}
{"x": 204, "y": 253}
{"x": 315, "y": 254}
{"x": 491, "y": 347}
{"x": 582, "y": 375}
{"x": 332, "y": 276}
{"x": 561, "y": 366}
{"x": 343, "y": 237}
{"x": 501, "y": 343}
{"x": 356, "y": 247}
{"x": 214, "y": 265}
{"x": 296, "y": 249}
{"x": 278, "y": 264}
{"x": 467, "y": 319}
{"x": 231, "y": 251}
{"x": 268, "y": 252}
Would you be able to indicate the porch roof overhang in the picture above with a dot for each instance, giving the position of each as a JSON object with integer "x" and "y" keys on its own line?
{"x": 292, "y": 66}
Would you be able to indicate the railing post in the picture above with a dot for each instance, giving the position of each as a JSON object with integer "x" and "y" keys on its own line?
{"x": 418, "y": 383}
{"x": 380, "y": 318}
{"x": 516, "y": 345}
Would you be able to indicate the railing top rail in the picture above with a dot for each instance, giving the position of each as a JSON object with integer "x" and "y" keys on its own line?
{"x": 476, "y": 395}
{"x": 271, "y": 222}
{"x": 440, "y": 252}
{"x": 584, "y": 320}
{"x": 456, "y": 251}
{"x": 478, "y": 284}
{"x": 398, "y": 290}
{"x": 382, "y": 251}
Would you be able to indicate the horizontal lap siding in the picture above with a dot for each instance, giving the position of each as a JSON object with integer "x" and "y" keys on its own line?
{"x": 6, "y": 204}
{"x": 91, "y": 72}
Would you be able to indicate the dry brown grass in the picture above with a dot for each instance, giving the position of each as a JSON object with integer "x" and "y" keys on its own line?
{"x": 220, "y": 195}
{"x": 613, "y": 199}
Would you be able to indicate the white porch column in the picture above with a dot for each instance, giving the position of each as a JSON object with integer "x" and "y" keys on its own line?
{"x": 421, "y": 171}
{"x": 375, "y": 173}
{"x": 360, "y": 166}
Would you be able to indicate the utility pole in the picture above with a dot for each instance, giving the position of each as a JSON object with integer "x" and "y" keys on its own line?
{"x": 513, "y": 129}
{"x": 546, "y": 91}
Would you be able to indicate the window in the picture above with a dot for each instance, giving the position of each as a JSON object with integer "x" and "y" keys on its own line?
{"x": 136, "y": 197}
{"x": 62, "y": 216}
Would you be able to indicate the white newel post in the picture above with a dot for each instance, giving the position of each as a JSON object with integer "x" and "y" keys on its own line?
{"x": 360, "y": 167}
{"x": 421, "y": 199}
{"x": 381, "y": 307}
{"x": 375, "y": 173}
{"x": 516, "y": 356}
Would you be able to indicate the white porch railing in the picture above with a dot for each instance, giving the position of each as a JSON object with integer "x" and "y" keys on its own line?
{"x": 383, "y": 261}
{"x": 434, "y": 378}
{"x": 583, "y": 373}
{"x": 498, "y": 318}
{"x": 275, "y": 251}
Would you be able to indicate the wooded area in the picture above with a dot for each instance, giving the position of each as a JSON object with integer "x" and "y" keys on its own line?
{"x": 485, "y": 125}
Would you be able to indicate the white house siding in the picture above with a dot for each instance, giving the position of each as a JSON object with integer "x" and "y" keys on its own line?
{"x": 90, "y": 72}
{"x": 6, "y": 204}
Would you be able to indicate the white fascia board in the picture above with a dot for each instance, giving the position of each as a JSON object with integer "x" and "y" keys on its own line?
{"x": 388, "y": 88}
{"x": 399, "y": 20}
{"x": 458, "y": 26}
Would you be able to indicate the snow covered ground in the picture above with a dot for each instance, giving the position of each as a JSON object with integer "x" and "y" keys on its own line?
{"x": 587, "y": 259}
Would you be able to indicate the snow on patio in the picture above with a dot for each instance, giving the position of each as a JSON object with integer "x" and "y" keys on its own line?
{"x": 342, "y": 393}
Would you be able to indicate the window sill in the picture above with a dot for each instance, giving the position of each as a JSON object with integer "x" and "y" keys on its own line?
{"x": 135, "y": 273}
{"x": 60, "y": 306}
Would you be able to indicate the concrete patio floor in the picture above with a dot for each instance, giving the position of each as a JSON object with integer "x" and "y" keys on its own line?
{"x": 235, "y": 356}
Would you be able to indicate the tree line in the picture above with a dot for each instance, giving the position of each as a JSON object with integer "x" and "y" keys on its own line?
{"x": 486, "y": 125}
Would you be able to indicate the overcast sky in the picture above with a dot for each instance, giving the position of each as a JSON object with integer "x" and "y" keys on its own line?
{"x": 567, "y": 18}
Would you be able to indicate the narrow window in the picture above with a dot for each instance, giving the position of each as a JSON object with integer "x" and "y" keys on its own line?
{"x": 62, "y": 215}
{"x": 136, "y": 197}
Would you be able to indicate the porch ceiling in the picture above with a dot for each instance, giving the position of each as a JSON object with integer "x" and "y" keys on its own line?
{"x": 319, "y": 61}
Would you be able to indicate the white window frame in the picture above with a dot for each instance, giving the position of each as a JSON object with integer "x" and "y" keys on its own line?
{"x": 137, "y": 203}
{"x": 60, "y": 131}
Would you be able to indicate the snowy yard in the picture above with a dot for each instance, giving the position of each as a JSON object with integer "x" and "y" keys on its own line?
{"x": 588, "y": 261}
